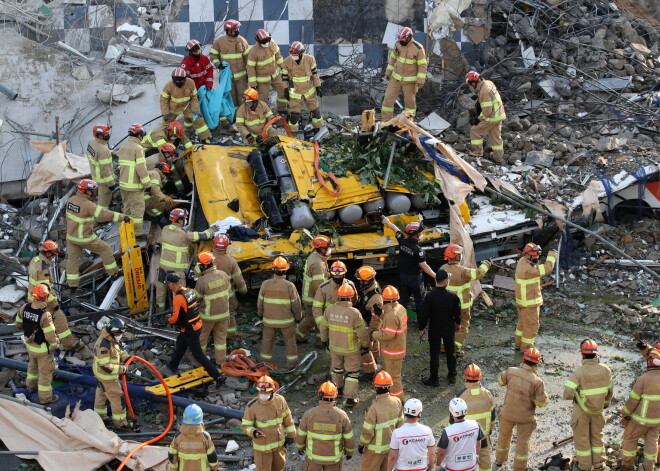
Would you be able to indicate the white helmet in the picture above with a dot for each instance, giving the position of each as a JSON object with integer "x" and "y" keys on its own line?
{"x": 458, "y": 407}
{"x": 413, "y": 407}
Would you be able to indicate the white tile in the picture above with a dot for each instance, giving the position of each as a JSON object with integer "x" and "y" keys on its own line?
{"x": 301, "y": 9}
{"x": 180, "y": 34}
{"x": 250, "y": 10}
{"x": 280, "y": 32}
{"x": 201, "y": 10}
{"x": 389, "y": 36}
{"x": 348, "y": 53}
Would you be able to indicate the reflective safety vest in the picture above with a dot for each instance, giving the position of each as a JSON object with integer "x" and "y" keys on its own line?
{"x": 492, "y": 109}
{"x": 263, "y": 63}
{"x": 590, "y": 386}
{"x": 272, "y": 418}
{"x": 38, "y": 328}
{"x": 460, "y": 281}
{"x": 107, "y": 357}
{"x": 528, "y": 280}
{"x": 325, "y": 433}
{"x": 384, "y": 416}
{"x": 643, "y": 404}
{"x": 315, "y": 272}
{"x": 392, "y": 332}
{"x": 100, "y": 161}
{"x": 213, "y": 289}
{"x": 408, "y": 63}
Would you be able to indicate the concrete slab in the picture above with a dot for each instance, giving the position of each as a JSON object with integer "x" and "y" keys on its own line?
{"x": 336, "y": 104}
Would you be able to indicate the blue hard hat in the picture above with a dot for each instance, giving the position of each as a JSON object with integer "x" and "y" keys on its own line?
{"x": 193, "y": 415}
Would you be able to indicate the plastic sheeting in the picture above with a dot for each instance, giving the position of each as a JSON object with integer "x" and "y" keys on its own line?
{"x": 56, "y": 164}
{"x": 216, "y": 103}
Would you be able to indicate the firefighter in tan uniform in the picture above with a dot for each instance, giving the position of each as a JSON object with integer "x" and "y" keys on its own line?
{"x": 590, "y": 388}
{"x": 327, "y": 294}
{"x": 134, "y": 179}
{"x": 301, "y": 84}
{"x": 641, "y": 416}
{"x": 489, "y": 121}
{"x": 481, "y": 407}
{"x": 315, "y": 272}
{"x": 100, "y": 163}
{"x": 279, "y": 306}
{"x": 368, "y": 298}
{"x": 263, "y": 69}
{"x": 39, "y": 273}
{"x": 176, "y": 247}
{"x": 166, "y": 133}
{"x": 229, "y": 265}
{"x": 525, "y": 392}
{"x": 528, "y": 293}
{"x": 325, "y": 433}
{"x": 156, "y": 202}
{"x": 267, "y": 419}
{"x": 644, "y": 350}
{"x": 391, "y": 335}
{"x": 233, "y": 49}
{"x": 179, "y": 97}
{"x": 109, "y": 359}
{"x": 81, "y": 212}
{"x": 406, "y": 71}
{"x": 212, "y": 289}
{"x": 192, "y": 448}
{"x": 40, "y": 339}
{"x": 252, "y": 116}
{"x": 384, "y": 415}
{"x": 459, "y": 283}
{"x": 346, "y": 337}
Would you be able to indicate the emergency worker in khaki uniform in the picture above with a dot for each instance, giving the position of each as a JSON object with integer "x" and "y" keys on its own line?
{"x": 326, "y": 295}
{"x": 252, "y": 116}
{"x": 384, "y": 415}
{"x": 315, "y": 272}
{"x": 267, "y": 419}
{"x": 301, "y": 84}
{"x": 156, "y": 202}
{"x": 179, "y": 97}
{"x": 81, "y": 212}
{"x": 166, "y": 133}
{"x": 263, "y": 69}
{"x": 325, "y": 434}
{"x": 345, "y": 335}
{"x": 459, "y": 283}
{"x": 644, "y": 350}
{"x": 368, "y": 298}
{"x": 489, "y": 121}
{"x": 229, "y": 265}
{"x": 591, "y": 390}
{"x": 279, "y": 306}
{"x": 134, "y": 179}
{"x": 525, "y": 392}
{"x": 233, "y": 49}
{"x": 192, "y": 448}
{"x": 40, "y": 339}
{"x": 100, "y": 163}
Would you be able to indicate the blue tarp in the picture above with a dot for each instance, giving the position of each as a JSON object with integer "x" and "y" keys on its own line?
{"x": 216, "y": 103}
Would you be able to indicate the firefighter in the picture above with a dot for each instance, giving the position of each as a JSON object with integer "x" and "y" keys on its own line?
{"x": 326, "y": 295}
{"x": 528, "y": 293}
{"x": 301, "y": 84}
{"x": 229, "y": 265}
{"x": 109, "y": 359}
{"x": 100, "y": 163}
{"x": 590, "y": 388}
{"x": 481, "y": 408}
{"x": 39, "y": 273}
{"x": 252, "y": 116}
{"x": 644, "y": 350}
{"x": 641, "y": 416}
{"x": 489, "y": 121}
{"x": 176, "y": 246}
{"x": 263, "y": 69}
{"x": 459, "y": 282}
{"x": 315, "y": 272}
{"x": 406, "y": 71}
{"x": 179, "y": 97}
{"x": 412, "y": 447}
{"x": 134, "y": 179}
{"x": 192, "y": 448}
{"x": 40, "y": 339}
{"x": 81, "y": 212}
{"x": 197, "y": 65}
{"x": 279, "y": 306}
{"x": 391, "y": 335}
{"x": 384, "y": 415}
{"x": 156, "y": 202}
{"x": 525, "y": 392}
{"x": 185, "y": 316}
{"x": 267, "y": 419}
{"x": 463, "y": 450}
{"x": 369, "y": 296}
{"x": 325, "y": 433}
{"x": 233, "y": 49}
{"x": 172, "y": 133}
{"x": 346, "y": 337}
{"x": 212, "y": 289}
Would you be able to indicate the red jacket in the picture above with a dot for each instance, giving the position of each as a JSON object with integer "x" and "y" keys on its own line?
{"x": 199, "y": 70}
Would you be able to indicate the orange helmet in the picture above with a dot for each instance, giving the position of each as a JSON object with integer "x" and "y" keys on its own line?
{"x": 532, "y": 354}
{"x": 265, "y": 383}
{"x": 328, "y": 390}
{"x": 280, "y": 263}
{"x": 168, "y": 150}
{"x": 174, "y": 128}
{"x": 221, "y": 242}
{"x": 322, "y": 241}
{"x": 588, "y": 347}
{"x": 164, "y": 166}
{"x": 390, "y": 293}
{"x": 41, "y": 292}
{"x": 383, "y": 379}
{"x": 49, "y": 246}
{"x": 453, "y": 252}
{"x": 652, "y": 357}
{"x": 205, "y": 258}
{"x": 345, "y": 291}
{"x": 87, "y": 185}
{"x": 365, "y": 273}
{"x": 532, "y": 249}
{"x": 472, "y": 372}
{"x": 251, "y": 95}
{"x": 414, "y": 228}
{"x": 338, "y": 269}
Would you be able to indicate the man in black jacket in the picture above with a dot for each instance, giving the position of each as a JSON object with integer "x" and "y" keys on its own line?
{"x": 442, "y": 311}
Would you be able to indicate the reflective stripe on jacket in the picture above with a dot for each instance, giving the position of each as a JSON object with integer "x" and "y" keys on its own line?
{"x": 251, "y": 122}
{"x": 643, "y": 404}
{"x": 492, "y": 109}
{"x": 326, "y": 296}
{"x": 133, "y": 174}
{"x": 192, "y": 450}
{"x": 174, "y": 100}
{"x": 528, "y": 280}
{"x": 590, "y": 386}
{"x": 176, "y": 245}
{"x": 263, "y": 63}
{"x": 81, "y": 213}
{"x": 383, "y": 416}
{"x": 459, "y": 281}
{"x": 525, "y": 392}
{"x": 273, "y": 418}
{"x": 108, "y": 356}
{"x": 213, "y": 289}
{"x": 408, "y": 63}
{"x": 392, "y": 332}
{"x": 481, "y": 406}
{"x": 325, "y": 433}
{"x": 100, "y": 161}
{"x": 343, "y": 327}
{"x": 234, "y": 51}
{"x": 278, "y": 302}
{"x": 315, "y": 272}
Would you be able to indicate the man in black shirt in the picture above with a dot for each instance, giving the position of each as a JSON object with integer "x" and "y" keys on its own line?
{"x": 442, "y": 311}
{"x": 412, "y": 261}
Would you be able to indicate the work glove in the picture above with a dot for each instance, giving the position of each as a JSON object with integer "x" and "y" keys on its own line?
{"x": 301, "y": 452}
{"x": 641, "y": 345}
{"x": 250, "y": 139}
{"x": 488, "y": 263}
{"x": 122, "y": 369}
{"x": 319, "y": 92}
{"x": 243, "y": 290}
{"x": 168, "y": 200}
{"x": 360, "y": 449}
{"x": 419, "y": 86}
{"x": 348, "y": 457}
{"x": 288, "y": 441}
{"x": 388, "y": 75}
{"x": 378, "y": 310}
{"x": 475, "y": 120}
{"x": 127, "y": 219}
{"x": 287, "y": 92}
{"x": 258, "y": 434}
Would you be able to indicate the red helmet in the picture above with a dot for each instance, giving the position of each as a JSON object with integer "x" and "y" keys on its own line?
{"x": 345, "y": 291}
{"x": 472, "y": 78}
{"x": 221, "y": 242}
{"x": 262, "y": 36}
{"x": 589, "y": 347}
{"x": 192, "y": 44}
{"x": 174, "y": 129}
{"x": 205, "y": 258}
{"x": 251, "y": 95}
{"x": 653, "y": 358}
{"x": 177, "y": 214}
{"x": 532, "y": 249}
{"x": 322, "y": 241}
{"x": 232, "y": 25}
{"x": 383, "y": 379}
{"x": 365, "y": 273}
{"x": 164, "y": 167}
{"x": 102, "y": 131}
{"x": 87, "y": 185}
{"x": 41, "y": 292}
{"x": 338, "y": 269}
{"x": 404, "y": 34}
{"x": 472, "y": 372}
{"x": 179, "y": 72}
{"x": 414, "y": 228}
{"x": 49, "y": 246}
{"x": 453, "y": 252}
{"x": 297, "y": 48}
{"x": 532, "y": 354}
{"x": 136, "y": 129}
{"x": 390, "y": 293}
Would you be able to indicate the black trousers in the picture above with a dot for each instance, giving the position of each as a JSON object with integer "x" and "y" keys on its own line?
{"x": 434, "y": 346}
{"x": 189, "y": 339}
{"x": 411, "y": 285}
